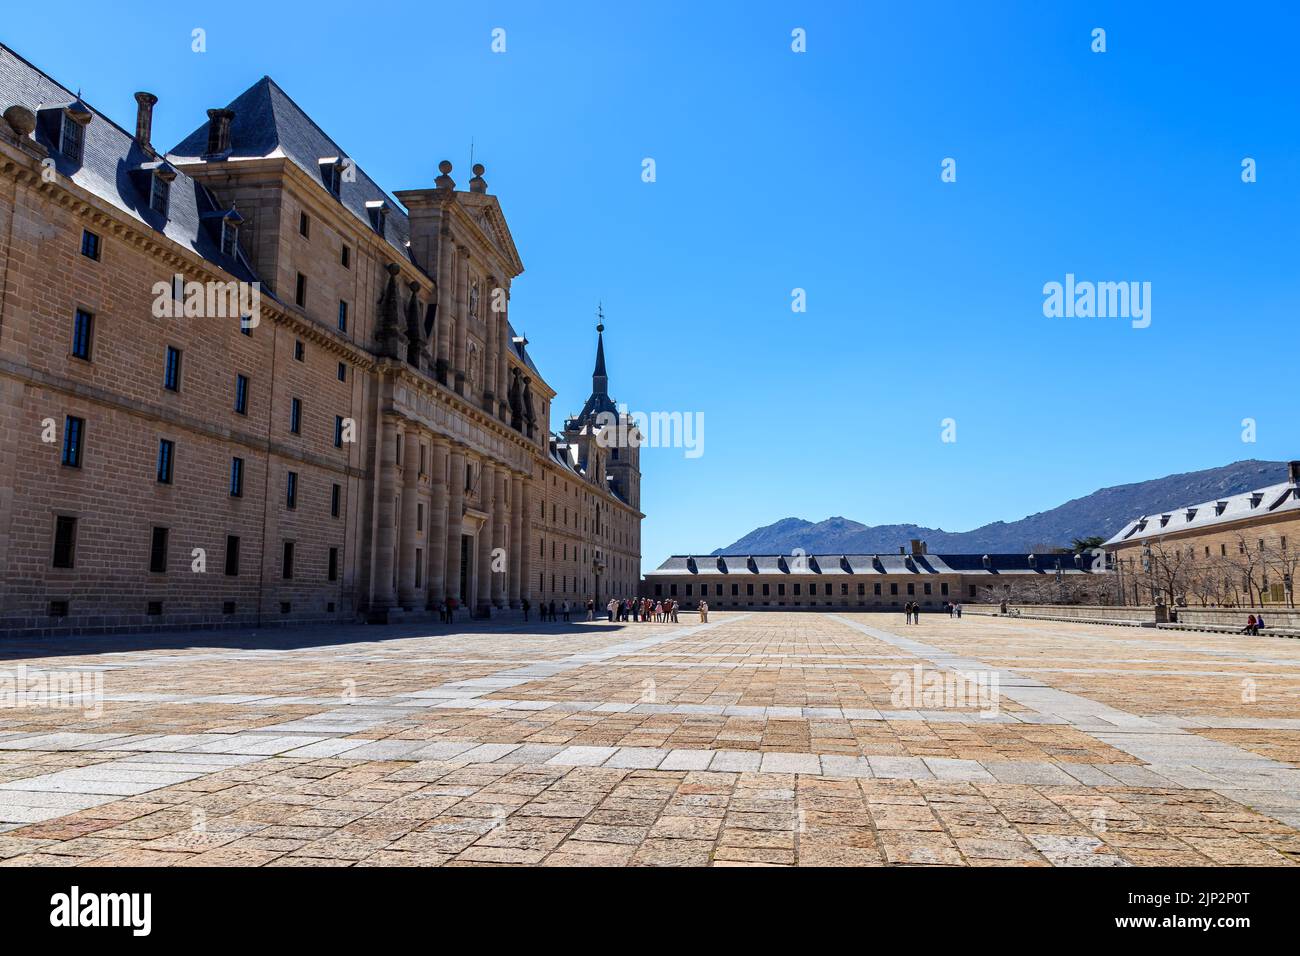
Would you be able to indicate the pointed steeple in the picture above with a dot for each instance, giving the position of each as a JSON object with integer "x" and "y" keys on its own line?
{"x": 599, "y": 400}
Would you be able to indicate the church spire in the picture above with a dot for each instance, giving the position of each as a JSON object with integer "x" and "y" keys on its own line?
{"x": 599, "y": 400}
{"x": 599, "y": 380}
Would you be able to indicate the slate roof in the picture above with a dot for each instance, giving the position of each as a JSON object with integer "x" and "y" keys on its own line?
{"x": 846, "y": 564}
{"x": 268, "y": 123}
{"x": 1274, "y": 499}
{"x": 111, "y": 168}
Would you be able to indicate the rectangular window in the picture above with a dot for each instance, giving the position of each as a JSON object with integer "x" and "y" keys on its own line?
{"x": 338, "y": 431}
{"x": 333, "y": 572}
{"x": 172, "y": 369}
{"x": 65, "y": 541}
{"x": 286, "y": 561}
{"x": 893, "y": 589}
{"x": 291, "y": 491}
{"x": 343, "y": 316}
{"x": 236, "y": 477}
{"x": 335, "y": 494}
{"x": 943, "y": 590}
{"x": 232, "y": 555}
{"x": 166, "y": 459}
{"x": 927, "y": 588}
{"x": 345, "y": 258}
{"x": 343, "y": 371}
{"x": 749, "y": 589}
{"x": 229, "y": 238}
{"x": 71, "y": 139}
{"x": 300, "y": 293}
{"x": 299, "y": 353}
{"x": 304, "y": 225}
{"x": 89, "y": 244}
{"x": 241, "y": 394}
{"x": 295, "y": 415}
{"x": 159, "y": 194}
{"x": 419, "y": 567}
{"x": 73, "y": 430}
{"x": 911, "y": 589}
{"x": 797, "y": 587}
{"x": 158, "y": 551}
{"x": 419, "y": 516}
{"x": 83, "y": 327}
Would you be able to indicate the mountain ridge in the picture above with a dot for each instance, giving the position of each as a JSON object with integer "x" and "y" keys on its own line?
{"x": 1102, "y": 513}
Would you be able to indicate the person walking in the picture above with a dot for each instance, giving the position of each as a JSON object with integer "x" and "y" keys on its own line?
{"x": 704, "y": 612}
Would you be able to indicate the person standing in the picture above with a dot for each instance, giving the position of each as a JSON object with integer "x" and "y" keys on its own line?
{"x": 704, "y": 612}
{"x": 524, "y": 604}
{"x": 564, "y": 609}
{"x": 674, "y": 612}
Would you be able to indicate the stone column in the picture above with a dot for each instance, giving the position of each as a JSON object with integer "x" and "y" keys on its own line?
{"x": 437, "y": 575}
{"x": 455, "y": 521}
{"x": 516, "y": 546}
{"x": 503, "y": 360}
{"x": 460, "y": 363}
{"x": 446, "y": 301}
{"x": 526, "y": 540}
{"x": 500, "y": 527}
{"x": 382, "y": 597}
{"x": 488, "y": 486}
{"x": 408, "y": 537}
{"x": 491, "y": 349}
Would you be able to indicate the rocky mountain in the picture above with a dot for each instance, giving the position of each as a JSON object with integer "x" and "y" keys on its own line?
{"x": 1101, "y": 513}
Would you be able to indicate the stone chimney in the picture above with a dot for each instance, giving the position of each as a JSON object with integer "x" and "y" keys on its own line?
{"x": 219, "y": 131}
{"x": 144, "y": 103}
{"x": 1294, "y": 469}
{"x": 918, "y": 547}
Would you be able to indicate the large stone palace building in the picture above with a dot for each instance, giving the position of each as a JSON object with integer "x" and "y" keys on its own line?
{"x": 242, "y": 384}
{"x": 1240, "y": 549}
{"x": 869, "y": 581}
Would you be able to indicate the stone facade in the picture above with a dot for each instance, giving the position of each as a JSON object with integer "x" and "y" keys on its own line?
{"x": 872, "y": 581}
{"x": 392, "y": 433}
{"x": 1242, "y": 550}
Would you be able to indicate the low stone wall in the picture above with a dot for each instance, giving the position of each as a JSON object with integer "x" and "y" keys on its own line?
{"x": 1236, "y": 616}
{"x": 1188, "y": 617}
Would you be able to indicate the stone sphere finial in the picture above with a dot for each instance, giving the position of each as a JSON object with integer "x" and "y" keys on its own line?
{"x": 444, "y": 167}
{"x": 20, "y": 119}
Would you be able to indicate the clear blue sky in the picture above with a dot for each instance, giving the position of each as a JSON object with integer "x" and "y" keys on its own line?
{"x": 821, "y": 170}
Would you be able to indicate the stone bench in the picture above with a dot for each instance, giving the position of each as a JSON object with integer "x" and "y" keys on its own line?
{"x": 1230, "y": 629}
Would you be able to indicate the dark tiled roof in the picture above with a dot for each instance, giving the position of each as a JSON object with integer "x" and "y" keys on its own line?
{"x": 111, "y": 167}
{"x": 831, "y": 564}
{"x": 268, "y": 122}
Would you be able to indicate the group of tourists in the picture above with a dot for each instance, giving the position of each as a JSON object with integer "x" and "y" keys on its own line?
{"x": 640, "y": 610}
{"x": 953, "y": 608}
{"x": 913, "y": 611}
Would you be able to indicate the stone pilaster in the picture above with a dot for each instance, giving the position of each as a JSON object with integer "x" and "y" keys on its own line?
{"x": 437, "y": 538}
{"x": 455, "y": 522}
{"x": 516, "y": 547}
{"x": 408, "y": 536}
{"x": 461, "y": 360}
{"x": 526, "y": 551}
{"x": 382, "y": 596}
{"x": 500, "y": 527}
{"x": 488, "y": 486}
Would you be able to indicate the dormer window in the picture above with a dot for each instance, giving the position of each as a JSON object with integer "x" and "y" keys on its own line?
{"x": 229, "y": 238}
{"x": 1256, "y": 498}
{"x": 331, "y": 174}
{"x": 159, "y": 193}
{"x": 378, "y": 210}
{"x": 72, "y": 138}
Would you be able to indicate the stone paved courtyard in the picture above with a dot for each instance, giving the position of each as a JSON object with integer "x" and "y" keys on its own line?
{"x": 766, "y": 738}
